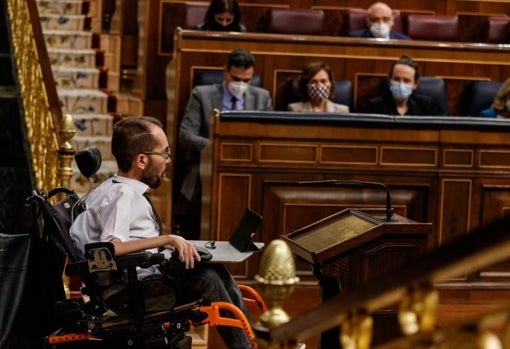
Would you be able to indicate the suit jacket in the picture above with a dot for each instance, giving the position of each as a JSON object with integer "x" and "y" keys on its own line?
{"x": 330, "y": 107}
{"x": 416, "y": 105}
{"x": 366, "y": 33}
{"x": 196, "y": 123}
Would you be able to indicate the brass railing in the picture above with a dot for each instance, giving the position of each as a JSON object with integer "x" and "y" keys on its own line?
{"x": 47, "y": 131}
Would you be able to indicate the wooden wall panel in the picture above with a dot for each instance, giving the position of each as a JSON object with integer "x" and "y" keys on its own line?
{"x": 454, "y": 209}
{"x": 455, "y": 177}
{"x": 238, "y": 186}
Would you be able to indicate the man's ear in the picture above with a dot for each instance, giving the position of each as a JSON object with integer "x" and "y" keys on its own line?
{"x": 141, "y": 161}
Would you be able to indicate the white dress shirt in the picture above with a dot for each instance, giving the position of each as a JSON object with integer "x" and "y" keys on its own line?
{"x": 115, "y": 209}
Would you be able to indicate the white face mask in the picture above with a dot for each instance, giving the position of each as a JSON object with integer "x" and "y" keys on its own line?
{"x": 380, "y": 30}
{"x": 507, "y": 105}
{"x": 237, "y": 88}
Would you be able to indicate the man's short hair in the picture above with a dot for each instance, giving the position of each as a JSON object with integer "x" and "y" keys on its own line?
{"x": 240, "y": 58}
{"x": 132, "y": 136}
{"x": 406, "y": 60}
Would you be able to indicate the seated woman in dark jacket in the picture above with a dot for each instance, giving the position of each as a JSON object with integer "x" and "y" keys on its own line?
{"x": 399, "y": 98}
{"x": 222, "y": 15}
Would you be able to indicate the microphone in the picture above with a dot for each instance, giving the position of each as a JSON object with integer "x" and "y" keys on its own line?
{"x": 389, "y": 209}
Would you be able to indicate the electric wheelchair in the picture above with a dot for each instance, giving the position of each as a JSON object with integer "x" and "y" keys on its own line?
{"x": 117, "y": 309}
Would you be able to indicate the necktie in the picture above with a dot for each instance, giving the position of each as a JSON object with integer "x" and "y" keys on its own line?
{"x": 157, "y": 218}
{"x": 234, "y": 103}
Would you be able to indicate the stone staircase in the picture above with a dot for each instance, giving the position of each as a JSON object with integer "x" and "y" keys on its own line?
{"x": 85, "y": 73}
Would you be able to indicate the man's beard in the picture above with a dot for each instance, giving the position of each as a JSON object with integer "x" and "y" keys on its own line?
{"x": 151, "y": 177}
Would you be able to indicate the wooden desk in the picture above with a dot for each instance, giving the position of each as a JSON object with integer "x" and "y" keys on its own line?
{"x": 452, "y": 172}
{"x": 365, "y": 62}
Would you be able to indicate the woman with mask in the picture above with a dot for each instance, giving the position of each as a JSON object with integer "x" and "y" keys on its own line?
{"x": 223, "y": 15}
{"x": 399, "y": 97}
{"x": 317, "y": 86}
{"x": 500, "y": 108}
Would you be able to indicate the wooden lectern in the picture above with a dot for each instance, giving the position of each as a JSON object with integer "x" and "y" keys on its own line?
{"x": 353, "y": 246}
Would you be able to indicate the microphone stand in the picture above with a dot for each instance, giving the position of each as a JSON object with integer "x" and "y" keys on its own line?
{"x": 389, "y": 209}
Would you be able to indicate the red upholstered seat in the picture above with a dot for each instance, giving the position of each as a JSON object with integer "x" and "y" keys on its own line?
{"x": 355, "y": 19}
{"x": 295, "y": 21}
{"x": 498, "y": 30}
{"x": 194, "y": 14}
{"x": 431, "y": 27}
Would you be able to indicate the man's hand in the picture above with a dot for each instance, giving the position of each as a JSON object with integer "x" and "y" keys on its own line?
{"x": 187, "y": 252}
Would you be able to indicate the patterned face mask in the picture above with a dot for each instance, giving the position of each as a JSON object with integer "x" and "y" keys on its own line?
{"x": 318, "y": 92}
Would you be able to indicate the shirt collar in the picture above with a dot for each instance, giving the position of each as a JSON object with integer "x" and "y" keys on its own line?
{"x": 227, "y": 99}
{"x": 138, "y": 186}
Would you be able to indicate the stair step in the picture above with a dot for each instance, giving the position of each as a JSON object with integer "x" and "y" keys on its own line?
{"x": 64, "y": 22}
{"x": 71, "y": 77}
{"x": 90, "y": 125}
{"x": 60, "y": 6}
{"x": 85, "y": 58}
{"x": 103, "y": 143}
{"x": 83, "y": 101}
{"x": 68, "y": 39}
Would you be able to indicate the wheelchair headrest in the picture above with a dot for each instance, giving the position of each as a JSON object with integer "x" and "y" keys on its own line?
{"x": 88, "y": 161}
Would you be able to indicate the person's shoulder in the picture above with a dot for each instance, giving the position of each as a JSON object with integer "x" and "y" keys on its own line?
{"x": 258, "y": 90}
{"x": 207, "y": 89}
{"x": 425, "y": 105}
{"x": 362, "y": 33}
{"x": 296, "y": 106}
{"x": 423, "y": 99}
{"x": 340, "y": 108}
{"x": 200, "y": 26}
{"x": 399, "y": 36}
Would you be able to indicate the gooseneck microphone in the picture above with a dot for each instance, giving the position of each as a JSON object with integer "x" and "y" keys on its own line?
{"x": 389, "y": 209}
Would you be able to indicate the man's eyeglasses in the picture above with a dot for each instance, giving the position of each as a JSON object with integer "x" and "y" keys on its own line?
{"x": 165, "y": 153}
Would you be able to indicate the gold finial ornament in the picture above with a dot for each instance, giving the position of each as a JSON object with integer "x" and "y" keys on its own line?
{"x": 277, "y": 277}
{"x": 66, "y": 132}
{"x": 417, "y": 312}
{"x": 66, "y": 151}
{"x": 357, "y": 330}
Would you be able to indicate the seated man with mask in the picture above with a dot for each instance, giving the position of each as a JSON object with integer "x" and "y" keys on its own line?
{"x": 399, "y": 98}
{"x": 379, "y": 24}
{"x": 234, "y": 93}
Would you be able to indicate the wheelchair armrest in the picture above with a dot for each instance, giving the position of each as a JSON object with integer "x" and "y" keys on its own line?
{"x": 138, "y": 259}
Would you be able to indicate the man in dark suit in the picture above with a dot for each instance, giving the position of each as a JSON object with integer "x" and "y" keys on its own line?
{"x": 399, "y": 97}
{"x": 379, "y": 24}
{"x": 235, "y": 93}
